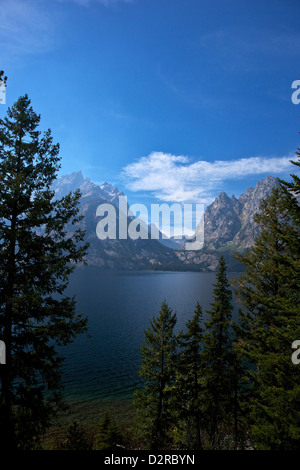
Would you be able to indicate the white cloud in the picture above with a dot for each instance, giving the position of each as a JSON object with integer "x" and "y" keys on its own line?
{"x": 176, "y": 179}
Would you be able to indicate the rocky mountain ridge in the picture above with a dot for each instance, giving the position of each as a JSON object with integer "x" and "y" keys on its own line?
{"x": 228, "y": 225}
{"x": 111, "y": 254}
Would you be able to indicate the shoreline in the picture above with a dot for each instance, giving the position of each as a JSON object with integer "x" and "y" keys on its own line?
{"x": 121, "y": 409}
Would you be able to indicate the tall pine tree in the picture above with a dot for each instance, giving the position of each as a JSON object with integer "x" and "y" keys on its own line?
{"x": 291, "y": 192}
{"x": 270, "y": 322}
{"x": 189, "y": 380}
{"x": 218, "y": 360}
{"x": 37, "y": 255}
{"x": 158, "y": 368}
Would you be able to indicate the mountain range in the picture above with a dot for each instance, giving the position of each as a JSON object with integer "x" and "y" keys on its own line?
{"x": 228, "y": 226}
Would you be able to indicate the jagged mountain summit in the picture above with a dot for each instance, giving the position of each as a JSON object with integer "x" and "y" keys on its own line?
{"x": 76, "y": 180}
{"x": 230, "y": 221}
{"x": 111, "y": 253}
{"x": 228, "y": 226}
{"x": 63, "y": 185}
{"x": 111, "y": 193}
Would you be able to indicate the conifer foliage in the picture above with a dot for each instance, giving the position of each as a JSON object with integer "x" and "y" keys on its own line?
{"x": 37, "y": 255}
{"x": 192, "y": 378}
{"x": 189, "y": 381}
{"x": 158, "y": 368}
{"x": 270, "y": 322}
{"x": 76, "y": 438}
{"x": 217, "y": 359}
{"x": 108, "y": 436}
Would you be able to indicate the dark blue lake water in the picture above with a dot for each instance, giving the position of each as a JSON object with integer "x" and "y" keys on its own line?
{"x": 104, "y": 368}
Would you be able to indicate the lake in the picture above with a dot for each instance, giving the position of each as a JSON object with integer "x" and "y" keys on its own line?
{"x": 102, "y": 370}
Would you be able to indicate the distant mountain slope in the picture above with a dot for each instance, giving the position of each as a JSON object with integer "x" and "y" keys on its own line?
{"x": 228, "y": 225}
{"x": 111, "y": 254}
{"x": 106, "y": 192}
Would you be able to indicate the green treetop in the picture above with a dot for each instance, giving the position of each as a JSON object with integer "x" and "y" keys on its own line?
{"x": 37, "y": 255}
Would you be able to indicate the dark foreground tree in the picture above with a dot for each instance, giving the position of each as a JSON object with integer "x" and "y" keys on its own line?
{"x": 291, "y": 192}
{"x": 218, "y": 360}
{"x": 270, "y": 322}
{"x": 154, "y": 403}
{"x": 189, "y": 380}
{"x": 37, "y": 255}
{"x": 108, "y": 436}
{"x": 76, "y": 438}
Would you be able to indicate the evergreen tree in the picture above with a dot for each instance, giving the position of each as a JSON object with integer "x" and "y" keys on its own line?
{"x": 158, "y": 367}
{"x": 108, "y": 436}
{"x": 76, "y": 438}
{"x": 189, "y": 380}
{"x": 37, "y": 255}
{"x": 217, "y": 361}
{"x": 291, "y": 192}
{"x": 293, "y": 185}
{"x": 240, "y": 392}
{"x": 269, "y": 322}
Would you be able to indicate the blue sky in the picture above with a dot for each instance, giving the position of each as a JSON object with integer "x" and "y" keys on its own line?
{"x": 170, "y": 100}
